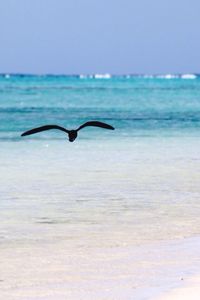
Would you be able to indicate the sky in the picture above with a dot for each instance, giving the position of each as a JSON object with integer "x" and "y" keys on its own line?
{"x": 99, "y": 36}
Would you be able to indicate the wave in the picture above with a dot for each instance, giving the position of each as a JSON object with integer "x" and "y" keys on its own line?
{"x": 102, "y": 76}
{"x": 172, "y": 76}
{"x": 95, "y": 76}
{"x": 188, "y": 76}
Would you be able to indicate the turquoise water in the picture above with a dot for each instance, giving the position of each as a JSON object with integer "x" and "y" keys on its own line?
{"x": 135, "y": 106}
{"x": 91, "y": 204}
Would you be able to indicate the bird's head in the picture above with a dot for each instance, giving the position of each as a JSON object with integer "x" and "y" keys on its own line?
{"x": 72, "y": 135}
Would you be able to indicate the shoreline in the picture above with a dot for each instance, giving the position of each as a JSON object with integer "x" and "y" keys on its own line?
{"x": 190, "y": 290}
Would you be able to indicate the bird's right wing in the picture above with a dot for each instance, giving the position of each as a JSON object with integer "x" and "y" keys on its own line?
{"x": 43, "y": 128}
{"x": 96, "y": 124}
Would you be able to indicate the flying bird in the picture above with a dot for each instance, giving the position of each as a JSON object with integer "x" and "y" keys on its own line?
{"x": 72, "y": 134}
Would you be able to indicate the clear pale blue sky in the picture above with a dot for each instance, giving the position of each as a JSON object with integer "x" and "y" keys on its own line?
{"x": 90, "y": 36}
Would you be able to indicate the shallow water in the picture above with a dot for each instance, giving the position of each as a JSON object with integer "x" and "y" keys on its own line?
{"x": 142, "y": 190}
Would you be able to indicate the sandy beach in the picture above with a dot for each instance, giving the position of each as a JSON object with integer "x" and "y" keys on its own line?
{"x": 57, "y": 271}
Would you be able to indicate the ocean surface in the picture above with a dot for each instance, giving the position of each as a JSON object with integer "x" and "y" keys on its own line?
{"x": 133, "y": 186}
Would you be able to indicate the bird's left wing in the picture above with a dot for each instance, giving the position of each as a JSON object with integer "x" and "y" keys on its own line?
{"x": 96, "y": 124}
{"x": 44, "y": 128}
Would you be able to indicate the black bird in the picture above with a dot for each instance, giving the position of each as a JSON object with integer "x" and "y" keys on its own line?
{"x": 72, "y": 134}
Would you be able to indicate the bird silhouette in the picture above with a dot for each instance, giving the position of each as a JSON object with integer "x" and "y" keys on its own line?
{"x": 72, "y": 134}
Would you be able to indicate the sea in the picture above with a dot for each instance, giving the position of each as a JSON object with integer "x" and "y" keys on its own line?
{"x": 128, "y": 189}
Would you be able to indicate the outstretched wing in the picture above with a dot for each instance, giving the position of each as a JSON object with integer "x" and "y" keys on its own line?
{"x": 43, "y": 128}
{"x": 96, "y": 124}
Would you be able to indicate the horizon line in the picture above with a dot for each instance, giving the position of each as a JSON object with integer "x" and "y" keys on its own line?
{"x": 105, "y": 75}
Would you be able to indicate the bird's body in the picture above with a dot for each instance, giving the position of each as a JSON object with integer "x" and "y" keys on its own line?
{"x": 72, "y": 134}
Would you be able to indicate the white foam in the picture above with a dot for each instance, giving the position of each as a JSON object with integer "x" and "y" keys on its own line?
{"x": 104, "y": 76}
{"x": 168, "y": 76}
{"x": 82, "y": 76}
{"x": 163, "y": 76}
{"x": 188, "y": 76}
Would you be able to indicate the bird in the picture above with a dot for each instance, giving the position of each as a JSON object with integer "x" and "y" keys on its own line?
{"x": 72, "y": 134}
